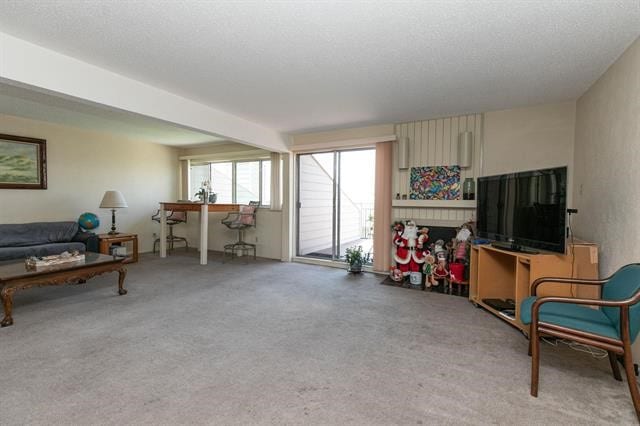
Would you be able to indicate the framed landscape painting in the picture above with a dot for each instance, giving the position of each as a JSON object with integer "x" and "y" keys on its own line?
{"x": 23, "y": 162}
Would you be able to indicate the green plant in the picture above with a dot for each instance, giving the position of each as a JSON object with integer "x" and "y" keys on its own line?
{"x": 355, "y": 256}
{"x": 200, "y": 194}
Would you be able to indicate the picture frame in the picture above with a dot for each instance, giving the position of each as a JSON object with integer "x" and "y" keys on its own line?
{"x": 23, "y": 162}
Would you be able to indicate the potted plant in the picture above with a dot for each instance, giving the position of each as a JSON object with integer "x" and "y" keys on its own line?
{"x": 212, "y": 196}
{"x": 205, "y": 194}
{"x": 355, "y": 258}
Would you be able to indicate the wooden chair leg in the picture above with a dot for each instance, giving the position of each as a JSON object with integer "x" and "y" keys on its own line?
{"x": 530, "y": 340}
{"x": 614, "y": 366}
{"x": 535, "y": 360}
{"x": 631, "y": 378}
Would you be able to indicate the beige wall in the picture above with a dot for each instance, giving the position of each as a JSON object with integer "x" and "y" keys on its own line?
{"x": 81, "y": 166}
{"x": 528, "y": 138}
{"x": 606, "y": 190}
{"x": 607, "y": 153}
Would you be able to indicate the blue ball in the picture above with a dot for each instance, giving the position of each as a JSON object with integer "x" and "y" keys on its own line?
{"x": 88, "y": 221}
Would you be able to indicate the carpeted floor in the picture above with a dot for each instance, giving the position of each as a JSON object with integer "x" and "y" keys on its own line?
{"x": 281, "y": 343}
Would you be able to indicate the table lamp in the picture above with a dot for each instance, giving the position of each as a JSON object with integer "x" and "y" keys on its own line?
{"x": 113, "y": 200}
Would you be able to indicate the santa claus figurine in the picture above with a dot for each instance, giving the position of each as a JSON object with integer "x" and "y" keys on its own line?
{"x": 441, "y": 270}
{"x": 409, "y": 256}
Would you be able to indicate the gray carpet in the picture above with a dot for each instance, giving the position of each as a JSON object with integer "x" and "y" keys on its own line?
{"x": 280, "y": 343}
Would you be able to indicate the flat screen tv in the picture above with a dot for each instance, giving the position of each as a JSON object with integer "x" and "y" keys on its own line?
{"x": 525, "y": 210}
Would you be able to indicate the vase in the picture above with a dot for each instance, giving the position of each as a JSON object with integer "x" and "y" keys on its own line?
{"x": 355, "y": 267}
{"x": 469, "y": 189}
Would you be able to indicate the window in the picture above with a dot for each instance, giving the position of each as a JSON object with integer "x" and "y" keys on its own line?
{"x": 235, "y": 181}
{"x": 222, "y": 181}
{"x": 199, "y": 173}
{"x": 247, "y": 182}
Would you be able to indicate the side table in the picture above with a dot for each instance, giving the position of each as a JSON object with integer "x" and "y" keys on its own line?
{"x": 107, "y": 240}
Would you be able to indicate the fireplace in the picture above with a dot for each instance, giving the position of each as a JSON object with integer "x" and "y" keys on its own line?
{"x": 444, "y": 233}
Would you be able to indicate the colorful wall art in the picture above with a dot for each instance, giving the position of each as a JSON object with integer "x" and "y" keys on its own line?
{"x": 435, "y": 183}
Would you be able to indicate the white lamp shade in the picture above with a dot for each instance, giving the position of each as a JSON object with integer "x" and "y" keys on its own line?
{"x": 113, "y": 200}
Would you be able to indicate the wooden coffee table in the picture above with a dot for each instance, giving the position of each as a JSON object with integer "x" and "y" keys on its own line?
{"x": 14, "y": 275}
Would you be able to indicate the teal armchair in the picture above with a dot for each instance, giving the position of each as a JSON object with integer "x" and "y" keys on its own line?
{"x": 613, "y": 326}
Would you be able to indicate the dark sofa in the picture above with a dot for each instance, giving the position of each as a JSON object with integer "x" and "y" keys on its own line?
{"x": 21, "y": 240}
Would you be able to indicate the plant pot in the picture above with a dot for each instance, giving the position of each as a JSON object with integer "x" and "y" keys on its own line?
{"x": 355, "y": 268}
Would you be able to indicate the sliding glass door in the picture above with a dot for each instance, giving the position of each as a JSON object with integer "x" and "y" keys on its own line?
{"x": 316, "y": 205}
{"x": 335, "y": 202}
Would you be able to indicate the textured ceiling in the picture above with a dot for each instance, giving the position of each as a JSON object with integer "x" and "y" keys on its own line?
{"x": 27, "y": 103}
{"x": 303, "y": 65}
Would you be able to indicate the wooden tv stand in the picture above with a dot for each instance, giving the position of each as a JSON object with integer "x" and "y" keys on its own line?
{"x": 501, "y": 274}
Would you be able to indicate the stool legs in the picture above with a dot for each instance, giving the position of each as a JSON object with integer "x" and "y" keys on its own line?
{"x": 239, "y": 247}
{"x": 171, "y": 239}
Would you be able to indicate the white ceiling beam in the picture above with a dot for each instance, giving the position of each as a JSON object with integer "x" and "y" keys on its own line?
{"x": 26, "y": 64}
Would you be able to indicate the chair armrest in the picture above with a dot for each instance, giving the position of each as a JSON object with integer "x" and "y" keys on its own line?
{"x": 559, "y": 280}
{"x": 90, "y": 240}
{"x": 580, "y": 301}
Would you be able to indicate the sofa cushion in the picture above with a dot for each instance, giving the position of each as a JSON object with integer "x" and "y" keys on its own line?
{"x": 7, "y": 253}
{"x": 28, "y": 234}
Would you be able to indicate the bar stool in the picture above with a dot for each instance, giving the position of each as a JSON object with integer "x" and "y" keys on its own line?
{"x": 240, "y": 221}
{"x": 173, "y": 218}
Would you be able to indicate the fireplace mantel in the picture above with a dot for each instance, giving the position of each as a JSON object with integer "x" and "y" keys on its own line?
{"x": 444, "y": 204}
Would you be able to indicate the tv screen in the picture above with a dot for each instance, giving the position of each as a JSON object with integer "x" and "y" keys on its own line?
{"x": 524, "y": 209}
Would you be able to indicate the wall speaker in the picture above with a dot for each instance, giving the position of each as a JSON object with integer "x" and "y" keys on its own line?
{"x": 403, "y": 153}
{"x": 465, "y": 149}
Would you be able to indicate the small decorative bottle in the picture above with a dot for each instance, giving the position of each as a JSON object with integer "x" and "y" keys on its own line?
{"x": 469, "y": 189}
